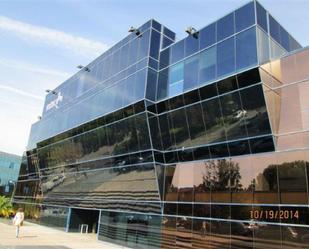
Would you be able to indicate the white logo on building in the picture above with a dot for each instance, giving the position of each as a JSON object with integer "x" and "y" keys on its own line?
{"x": 54, "y": 103}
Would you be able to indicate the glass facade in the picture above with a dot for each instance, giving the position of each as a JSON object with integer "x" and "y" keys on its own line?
{"x": 200, "y": 143}
{"x": 9, "y": 169}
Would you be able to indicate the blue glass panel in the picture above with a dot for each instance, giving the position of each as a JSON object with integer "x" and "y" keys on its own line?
{"x": 178, "y": 51}
{"x": 156, "y": 25}
{"x": 207, "y": 36}
{"x": 207, "y": 65}
{"x": 166, "y": 42}
{"x": 124, "y": 56}
{"x": 162, "y": 84}
{"x": 133, "y": 51}
{"x": 176, "y": 73}
{"x": 139, "y": 84}
{"x": 143, "y": 48}
{"x": 155, "y": 44}
{"x": 165, "y": 56}
{"x": 169, "y": 33}
{"x": 274, "y": 29}
{"x": 151, "y": 85}
{"x": 284, "y": 37}
{"x": 244, "y": 17}
{"x": 191, "y": 45}
{"x": 175, "y": 89}
{"x": 226, "y": 57}
{"x": 225, "y": 27}
{"x": 261, "y": 16}
{"x": 246, "y": 49}
{"x": 191, "y": 72}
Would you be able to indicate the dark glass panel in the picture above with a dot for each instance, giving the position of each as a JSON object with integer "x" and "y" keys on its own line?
{"x": 171, "y": 157}
{"x": 165, "y": 57}
{"x": 155, "y": 44}
{"x": 163, "y": 106}
{"x": 191, "y": 97}
{"x": 246, "y": 49}
{"x": 255, "y": 112}
{"x": 227, "y": 85}
{"x": 261, "y": 16}
{"x": 162, "y": 84}
{"x": 263, "y": 144}
{"x": 274, "y": 29}
{"x": 219, "y": 150}
{"x": 166, "y": 42}
{"x": 176, "y": 102}
{"x": 208, "y": 65}
{"x": 180, "y": 128}
{"x": 142, "y": 132}
{"x": 191, "y": 69}
{"x": 226, "y": 57}
{"x": 196, "y": 125}
{"x": 249, "y": 77}
{"x": 239, "y": 148}
{"x": 208, "y": 91}
{"x": 169, "y": 33}
{"x": 178, "y": 51}
{"x": 164, "y": 127}
{"x": 284, "y": 38}
{"x": 207, "y": 36}
{"x": 185, "y": 155}
{"x": 191, "y": 45}
{"x": 155, "y": 133}
{"x": 156, "y": 25}
{"x": 233, "y": 116}
{"x": 245, "y": 17}
{"x": 213, "y": 121}
{"x": 151, "y": 85}
{"x": 225, "y": 27}
{"x": 201, "y": 153}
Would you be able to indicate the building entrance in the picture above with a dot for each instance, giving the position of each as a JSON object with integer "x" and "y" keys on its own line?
{"x": 88, "y": 218}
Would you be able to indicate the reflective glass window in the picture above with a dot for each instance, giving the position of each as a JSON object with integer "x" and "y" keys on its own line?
{"x": 191, "y": 45}
{"x": 196, "y": 125}
{"x": 226, "y": 57}
{"x": 213, "y": 120}
{"x": 225, "y": 27}
{"x": 143, "y": 45}
{"x": 254, "y": 111}
{"x": 274, "y": 29}
{"x": 246, "y": 49}
{"x": 165, "y": 56}
{"x": 261, "y": 16}
{"x": 263, "y": 46}
{"x": 155, "y": 44}
{"x": 227, "y": 85}
{"x": 166, "y": 42}
{"x": 208, "y": 91}
{"x": 178, "y": 51}
{"x": 133, "y": 51}
{"x": 180, "y": 128}
{"x": 191, "y": 69}
{"x": 162, "y": 84}
{"x": 207, "y": 36}
{"x": 244, "y": 17}
{"x": 176, "y": 74}
{"x": 207, "y": 65}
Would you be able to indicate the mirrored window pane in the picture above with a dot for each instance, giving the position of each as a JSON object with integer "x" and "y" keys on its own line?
{"x": 226, "y": 57}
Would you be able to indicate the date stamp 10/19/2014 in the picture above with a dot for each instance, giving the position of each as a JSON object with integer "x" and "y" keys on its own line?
{"x": 274, "y": 214}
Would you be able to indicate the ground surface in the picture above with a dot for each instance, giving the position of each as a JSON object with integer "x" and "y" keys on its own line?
{"x": 33, "y": 236}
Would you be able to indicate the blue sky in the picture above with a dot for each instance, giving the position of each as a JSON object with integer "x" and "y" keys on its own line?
{"x": 42, "y": 42}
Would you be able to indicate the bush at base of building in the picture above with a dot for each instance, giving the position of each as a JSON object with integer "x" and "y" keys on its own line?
{"x": 6, "y": 209}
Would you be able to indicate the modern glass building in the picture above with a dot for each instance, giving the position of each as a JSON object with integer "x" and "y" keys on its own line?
{"x": 196, "y": 143}
{"x": 9, "y": 169}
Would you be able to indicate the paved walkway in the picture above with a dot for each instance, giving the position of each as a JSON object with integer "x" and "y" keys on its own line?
{"x": 33, "y": 236}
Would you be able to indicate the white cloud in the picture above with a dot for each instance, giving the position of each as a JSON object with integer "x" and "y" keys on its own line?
{"x": 32, "y": 68}
{"x": 20, "y": 92}
{"x": 76, "y": 44}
